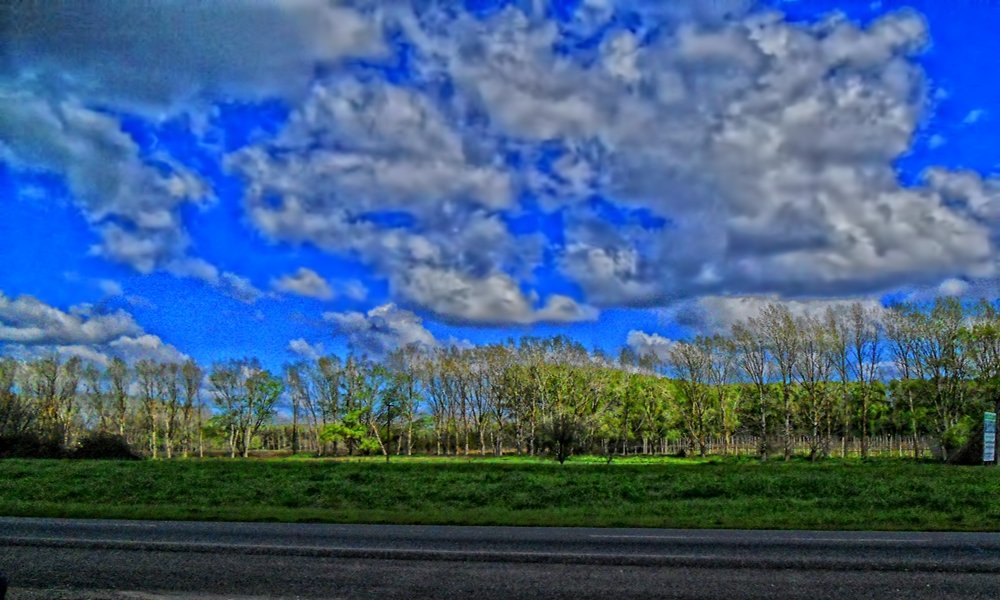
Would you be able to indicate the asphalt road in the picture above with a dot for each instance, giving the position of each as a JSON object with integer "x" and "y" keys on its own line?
{"x": 78, "y": 560}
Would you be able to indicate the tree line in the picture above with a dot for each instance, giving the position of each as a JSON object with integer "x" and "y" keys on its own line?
{"x": 847, "y": 376}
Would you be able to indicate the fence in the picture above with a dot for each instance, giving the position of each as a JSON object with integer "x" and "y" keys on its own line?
{"x": 883, "y": 446}
{"x": 279, "y": 439}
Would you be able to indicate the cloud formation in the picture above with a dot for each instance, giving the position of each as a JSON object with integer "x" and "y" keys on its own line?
{"x": 765, "y": 148}
{"x": 768, "y": 146}
{"x": 304, "y": 282}
{"x": 31, "y": 327}
{"x": 304, "y": 349}
{"x": 718, "y": 314}
{"x": 28, "y": 321}
{"x": 650, "y": 343}
{"x": 67, "y": 73}
{"x": 383, "y": 329}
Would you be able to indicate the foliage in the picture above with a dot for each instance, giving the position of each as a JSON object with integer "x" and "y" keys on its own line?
{"x": 29, "y": 445}
{"x": 848, "y": 376}
{"x": 104, "y": 446}
{"x": 350, "y": 429}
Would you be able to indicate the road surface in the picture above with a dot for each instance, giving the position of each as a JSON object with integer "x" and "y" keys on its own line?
{"x": 83, "y": 559}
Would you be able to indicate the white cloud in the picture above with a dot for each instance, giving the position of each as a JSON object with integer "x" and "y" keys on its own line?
{"x": 717, "y": 314}
{"x": 353, "y": 152}
{"x": 226, "y": 48}
{"x": 769, "y": 145}
{"x": 355, "y": 290}
{"x": 233, "y": 285}
{"x": 974, "y": 116}
{"x": 28, "y": 321}
{"x": 150, "y": 347}
{"x": 494, "y": 299}
{"x": 61, "y": 63}
{"x": 953, "y": 287}
{"x": 936, "y": 141}
{"x": 29, "y": 327}
{"x": 965, "y": 290}
{"x": 134, "y": 208}
{"x": 356, "y": 148}
{"x": 110, "y": 287}
{"x": 382, "y": 329}
{"x": 196, "y": 268}
{"x": 646, "y": 343}
{"x": 304, "y": 282}
{"x": 302, "y": 348}
{"x": 85, "y": 353}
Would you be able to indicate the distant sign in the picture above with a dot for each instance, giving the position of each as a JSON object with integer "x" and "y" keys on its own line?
{"x": 989, "y": 437}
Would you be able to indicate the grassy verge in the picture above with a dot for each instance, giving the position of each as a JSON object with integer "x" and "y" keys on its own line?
{"x": 835, "y": 495}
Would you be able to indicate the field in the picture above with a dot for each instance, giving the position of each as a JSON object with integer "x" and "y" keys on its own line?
{"x": 882, "y": 495}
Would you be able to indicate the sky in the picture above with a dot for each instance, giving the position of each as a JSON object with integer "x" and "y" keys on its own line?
{"x": 290, "y": 178}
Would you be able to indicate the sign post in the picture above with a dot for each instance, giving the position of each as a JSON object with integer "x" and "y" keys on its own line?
{"x": 989, "y": 437}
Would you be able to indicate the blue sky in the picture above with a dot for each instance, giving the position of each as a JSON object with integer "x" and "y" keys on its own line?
{"x": 282, "y": 179}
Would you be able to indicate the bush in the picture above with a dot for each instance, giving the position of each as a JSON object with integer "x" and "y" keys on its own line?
{"x": 104, "y": 446}
{"x": 29, "y": 445}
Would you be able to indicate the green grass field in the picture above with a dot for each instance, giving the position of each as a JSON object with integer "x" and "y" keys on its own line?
{"x": 887, "y": 495}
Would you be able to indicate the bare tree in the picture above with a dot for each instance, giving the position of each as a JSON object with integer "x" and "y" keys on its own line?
{"x": 67, "y": 407}
{"x": 722, "y": 375}
{"x": 782, "y": 337}
{"x": 169, "y": 387}
{"x": 43, "y": 385}
{"x": 946, "y": 365}
{"x": 148, "y": 375}
{"x": 865, "y": 356}
{"x": 902, "y": 332}
{"x": 754, "y": 360}
{"x": 93, "y": 383}
{"x": 192, "y": 376}
{"x": 16, "y": 414}
{"x": 120, "y": 378}
{"x": 838, "y": 336}
{"x": 299, "y": 396}
{"x": 247, "y": 394}
{"x": 814, "y": 370}
{"x": 405, "y": 364}
{"x": 692, "y": 366}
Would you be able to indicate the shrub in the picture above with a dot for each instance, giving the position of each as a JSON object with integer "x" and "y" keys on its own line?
{"x": 104, "y": 446}
{"x": 29, "y": 445}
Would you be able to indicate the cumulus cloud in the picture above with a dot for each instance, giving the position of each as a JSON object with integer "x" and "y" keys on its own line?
{"x": 974, "y": 116}
{"x": 304, "y": 282}
{"x": 355, "y": 290}
{"x": 354, "y": 152}
{"x": 381, "y": 330}
{"x": 493, "y": 299}
{"x": 718, "y": 314}
{"x": 769, "y": 145}
{"x": 61, "y": 63}
{"x": 233, "y": 285}
{"x": 28, "y": 321}
{"x": 114, "y": 53}
{"x": 110, "y": 287}
{"x": 239, "y": 288}
{"x": 30, "y": 327}
{"x": 368, "y": 147}
{"x": 302, "y": 348}
{"x": 145, "y": 347}
{"x": 645, "y": 343}
{"x": 133, "y": 206}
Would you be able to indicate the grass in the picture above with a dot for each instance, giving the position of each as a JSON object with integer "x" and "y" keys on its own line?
{"x": 882, "y": 495}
